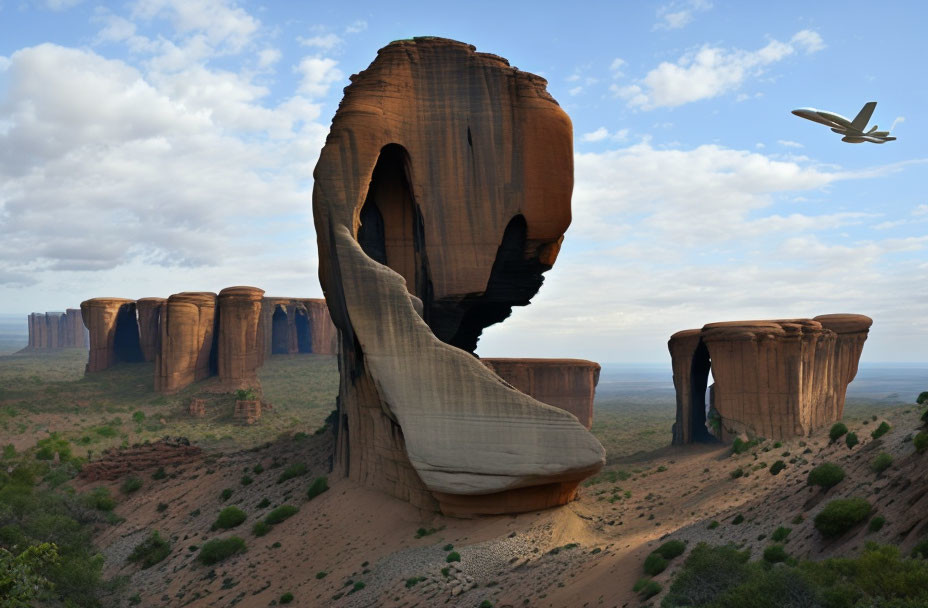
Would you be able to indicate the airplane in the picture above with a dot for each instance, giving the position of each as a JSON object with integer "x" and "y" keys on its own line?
{"x": 853, "y": 130}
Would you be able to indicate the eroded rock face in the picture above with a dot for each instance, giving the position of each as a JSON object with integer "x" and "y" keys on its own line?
{"x": 116, "y": 463}
{"x": 444, "y": 185}
{"x": 149, "y": 311}
{"x": 775, "y": 379}
{"x": 240, "y": 345}
{"x": 113, "y": 332}
{"x": 52, "y": 330}
{"x": 297, "y": 325}
{"x": 188, "y": 336}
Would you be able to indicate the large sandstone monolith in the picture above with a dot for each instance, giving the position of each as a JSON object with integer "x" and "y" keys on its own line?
{"x": 444, "y": 186}
{"x": 775, "y": 379}
{"x": 240, "y": 344}
{"x": 188, "y": 336}
{"x": 113, "y": 332}
{"x": 569, "y": 384}
{"x": 149, "y": 310}
{"x": 297, "y": 325}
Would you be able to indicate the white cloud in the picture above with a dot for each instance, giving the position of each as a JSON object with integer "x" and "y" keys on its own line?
{"x": 323, "y": 41}
{"x": 220, "y": 24}
{"x": 60, "y": 5}
{"x": 318, "y": 74}
{"x": 790, "y": 144}
{"x": 597, "y": 135}
{"x": 921, "y": 210}
{"x": 356, "y": 27}
{"x": 616, "y": 67}
{"x": 268, "y": 57}
{"x": 575, "y": 91}
{"x": 679, "y": 13}
{"x": 709, "y": 72}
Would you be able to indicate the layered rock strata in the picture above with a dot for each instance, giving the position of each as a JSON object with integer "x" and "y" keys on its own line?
{"x": 117, "y": 463}
{"x": 149, "y": 311}
{"x": 775, "y": 379}
{"x": 441, "y": 196}
{"x": 113, "y": 332}
{"x": 240, "y": 345}
{"x": 188, "y": 337}
{"x": 53, "y": 330}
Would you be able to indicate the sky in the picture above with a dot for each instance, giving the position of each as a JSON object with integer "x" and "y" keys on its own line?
{"x": 156, "y": 146}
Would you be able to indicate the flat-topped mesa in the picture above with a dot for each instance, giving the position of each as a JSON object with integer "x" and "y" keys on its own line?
{"x": 240, "y": 337}
{"x": 441, "y": 196}
{"x": 569, "y": 384}
{"x": 53, "y": 330}
{"x": 149, "y": 311}
{"x": 296, "y": 325}
{"x": 775, "y": 379}
{"x": 113, "y": 332}
{"x": 188, "y": 337}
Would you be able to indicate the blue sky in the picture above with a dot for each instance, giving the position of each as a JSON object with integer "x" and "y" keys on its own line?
{"x": 159, "y": 146}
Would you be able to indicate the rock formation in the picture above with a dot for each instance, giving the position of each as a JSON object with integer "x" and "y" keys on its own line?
{"x": 188, "y": 335}
{"x": 569, "y": 384}
{"x": 197, "y": 408}
{"x": 240, "y": 345}
{"x": 149, "y": 310}
{"x": 53, "y": 330}
{"x": 247, "y": 411}
{"x": 113, "y": 332}
{"x": 297, "y": 325}
{"x": 441, "y": 196}
{"x": 117, "y": 463}
{"x": 775, "y": 379}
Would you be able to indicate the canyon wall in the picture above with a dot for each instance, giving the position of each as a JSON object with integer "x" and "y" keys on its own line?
{"x": 54, "y": 330}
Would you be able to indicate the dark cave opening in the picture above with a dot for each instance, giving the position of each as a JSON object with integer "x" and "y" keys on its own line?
{"x": 214, "y": 349}
{"x": 304, "y": 333}
{"x": 699, "y": 379}
{"x": 280, "y": 332}
{"x": 126, "y": 345}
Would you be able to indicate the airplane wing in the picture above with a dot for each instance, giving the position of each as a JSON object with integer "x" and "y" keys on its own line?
{"x": 863, "y": 117}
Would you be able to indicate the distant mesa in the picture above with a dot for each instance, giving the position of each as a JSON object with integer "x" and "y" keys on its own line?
{"x": 774, "y": 379}
{"x": 54, "y": 330}
{"x": 440, "y": 198}
{"x": 191, "y": 336}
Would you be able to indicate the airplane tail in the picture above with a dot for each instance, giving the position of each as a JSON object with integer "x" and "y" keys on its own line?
{"x": 863, "y": 117}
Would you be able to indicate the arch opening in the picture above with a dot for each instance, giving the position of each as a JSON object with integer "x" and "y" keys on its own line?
{"x": 304, "y": 332}
{"x": 126, "y": 344}
{"x": 280, "y": 332}
{"x": 701, "y": 414}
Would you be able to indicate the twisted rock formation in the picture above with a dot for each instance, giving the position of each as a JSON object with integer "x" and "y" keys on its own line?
{"x": 188, "y": 336}
{"x": 774, "y": 379}
{"x": 441, "y": 196}
{"x": 569, "y": 384}
{"x": 53, "y": 330}
{"x": 113, "y": 332}
{"x": 240, "y": 351}
{"x": 297, "y": 325}
{"x": 149, "y": 310}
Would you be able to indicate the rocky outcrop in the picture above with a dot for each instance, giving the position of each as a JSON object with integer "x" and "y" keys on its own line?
{"x": 113, "y": 332}
{"x": 441, "y": 196}
{"x": 775, "y": 379}
{"x": 240, "y": 345}
{"x": 296, "y": 325}
{"x": 569, "y": 384}
{"x": 117, "y": 463}
{"x": 53, "y": 330}
{"x": 197, "y": 408}
{"x": 188, "y": 337}
{"x": 149, "y": 311}
{"x": 248, "y": 411}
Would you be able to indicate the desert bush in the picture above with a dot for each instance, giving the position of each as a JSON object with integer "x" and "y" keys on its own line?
{"x": 921, "y": 549}
{"x": 851, "y": 440}
{"x": 837, "y": 430}
{"x": 218, "y": 549}
{"x": 780, "y": 534}
{"x": 778, "y": 466}
{"x": 317, "y": 487}
{"x": 130, "y": 485}
{"x": 922, "y": 399}
{"x": 739, "y": 446}
{"x": 246, "y": 394}
{"x": 712, "y": 525}
{"x": 138, "y": 416}
{"x": 739, "y": 472}
{"x": 774, "y": 554}
{"x": 229, "y": 518}
{"x": 294, "y": 470}
{"x": 489, "y": 604}
{"x": 877, "y": 523}
{"x": 246, "y": 480}
{"x": 51, "y": 444}
{"x": 286, "y": 598}
{"x": 99, "y": 499}
{"x": 261, "y": 528}
{"x": 225, "y": 494}
{"x": 654, "y": 564}
{"x": 159, "y": 474}
{"x": 707, "y": 573}
{"x": 646, "y": 588}
{"x": 150, "y": 551}
{"x": 454, "y": 556}
{"x": 738, "y": 519}
{"x": 280, "y": 514}
{"x": 921, "y": 442}
{"x": 671, "y": 549}
{"x": 880, "y": 430}
{"x": 264, "y": 503}
{"x": 881, "y": 462}
{"x": 841, "y": 515}
{"x": 826, "y": 475}
{"x": 258, "y": 469}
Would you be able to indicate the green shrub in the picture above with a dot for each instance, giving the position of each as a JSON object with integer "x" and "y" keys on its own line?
{"x": 841, "y": 515}
{"x": 922, "y": 400}
{"x": 646, "y": 588}
{"x": 671, "y": 549}
{"x": 826, "y": 475}
{"x": 739, "y": 446}
{"x": 280, "y": 514}
{"x": 851, "y": 440}
{"x": 159, "y": 474}
{"x": 264, "y": 503}
{"x": 162, "y": 507}
{"x": 712, "y": 525}
{"x": 775, "y": 554}
{"x": 487, "y": 604}
{"x": 357, "y": 587}
{"x": 99, "y": 499}
{"x": 413, "y": 581}
{"x": 245, "y": 394}
{"x": 921, "y": 442}
{"x": 877, "y": 523}
{"x": 229, "y": 518}
{"x": 454, "y": 556}
{"x": 837, "y": 430}
{"x": 9, "y": 451}
{"x": 738, "y": 519}
{"x": 138, "y": 416}
{"x": 780, "y": 534}
{"x": 317, "y": 487}
{"x": 321, "y": 574}
{"x": 151, "y": 550}
{"x": 246, "y": 480}
{"x": 258, "y": 469}
{"x": 880, "y": 430}
{"x": 225, "y": 494}
{"x": 706, "y": 574}
{"x": 294, "y": 470}
{"x": 286, "y": 598}
{"x": 261, "y": 528}
{"x": 739, "y": 472}
{"x": 51, "y": 444}
{"x": 654, "y": 564}
{"x": 130, "y": 485}
{"x": 778, "y": 466}
{"x": 921, "y": 549}
{"x": 881, "y": 462}
{"x": 218, "y": 549}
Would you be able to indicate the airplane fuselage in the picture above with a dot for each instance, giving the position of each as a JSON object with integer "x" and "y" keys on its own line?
{"x": 852, "y": 130}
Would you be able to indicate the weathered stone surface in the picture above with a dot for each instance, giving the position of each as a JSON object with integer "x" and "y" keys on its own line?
{"x": 120, "y": 462}
{"x": 240, "y": 346}
{"x": 774, "y": 379}
{"x": 113, "y": 332}
{"x": 149, "y": 311}
{"x": 197, "y": 408}
{"x": 248, "y": 412}
{"x": 444, "y": 185}
{"x": 52, "y": 330}
{"x": 569, "y": 384}
{"x": 297, "y": 325}
{"x": 188, "y": 335}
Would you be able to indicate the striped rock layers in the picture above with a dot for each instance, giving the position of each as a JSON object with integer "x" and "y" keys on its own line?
{"x": 296, "y": 325}
{"x": 113, "y": 332}
{"x": 441, "y": 196}
{"x": 189, "y": 334}
{"x": 775, "y": 379}
{"x": 52, "y": 330}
